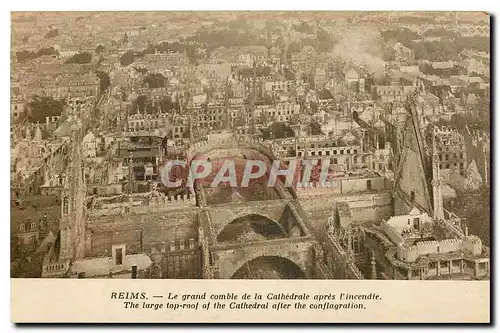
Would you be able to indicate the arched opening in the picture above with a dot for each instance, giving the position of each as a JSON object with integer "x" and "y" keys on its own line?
{"x": 224, "y": 191}
{"x": 253, "y": 227}
{"x": 269, "y": 267}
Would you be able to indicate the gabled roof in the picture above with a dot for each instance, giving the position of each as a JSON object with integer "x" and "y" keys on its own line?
{"x": 414, "y": 211}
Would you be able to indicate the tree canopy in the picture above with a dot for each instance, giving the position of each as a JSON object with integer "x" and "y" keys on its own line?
{"x": 226, "y": 37}
{"x": 80, "y": 58}
{"x": 127, "y": 58}
{"x": 445, "y": 49}
{"x": 166, "y": 104}
{"x": 325, "y": 94}
{"x": 474, "y": 206}
{"x": 303, "y": 27}
{"x": 155, "y": 80}
{"x": 403, "y": 35}
{"x": 41, "y": 107}
{"x": 315, "y": 128}
{"x": 104, "y": 80}
{"x": 23, "y": 56}
{"x": 52, "y": 33}
{"x": 99, "y": 49}
{"x": 140, "y": 103}
{"x": 277, "y": 130}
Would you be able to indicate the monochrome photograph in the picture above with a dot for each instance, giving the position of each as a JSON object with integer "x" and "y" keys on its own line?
{"x": 250, "y": 145}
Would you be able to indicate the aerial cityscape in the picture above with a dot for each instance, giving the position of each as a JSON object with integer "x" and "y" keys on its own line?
{"x": 250, "y": 145}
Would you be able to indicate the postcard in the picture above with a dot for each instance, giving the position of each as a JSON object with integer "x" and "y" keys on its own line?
{"x": 250, "y": 166}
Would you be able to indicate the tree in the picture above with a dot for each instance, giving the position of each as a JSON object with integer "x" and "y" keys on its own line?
{"x": 324, "y": 42}
{"x": 99, "y": 49}
{"x": 277, "y": 130}
{"x": 140, "y": 103}
{"x": 104, "y": 80}
{"x": 177, "y": 105}
{"x": 474, "y": 206}
{"x": 303, "y": 27}
{"x": 80, "y": 58}
{"x": 289, "y": 75}
{"x": 127, "y": 58}
{"x": 227, "y": 37}
{"x": 325, "y": 94}
{"x": 47, "y": 51}
{"x": 41, "y": 107}
{"x": 52, "y": 33}
{"x": 155, "y": 80}
{"x": 404, "y": 35}
{"x": 23, "y": 56}
{"x": 166, "y": 104}
{"x": 315, "y": 128}
{"x": 479, "y": 43}
{"x": 14, "y": 246}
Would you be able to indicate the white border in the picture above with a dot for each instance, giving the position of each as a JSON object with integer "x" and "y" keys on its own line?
{"x": 31, "y": 5}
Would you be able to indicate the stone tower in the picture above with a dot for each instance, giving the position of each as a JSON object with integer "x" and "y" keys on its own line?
{"x": 413, "y": 174}
{"x": 437, "y": 192}
{"x": 73, "y": 202}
